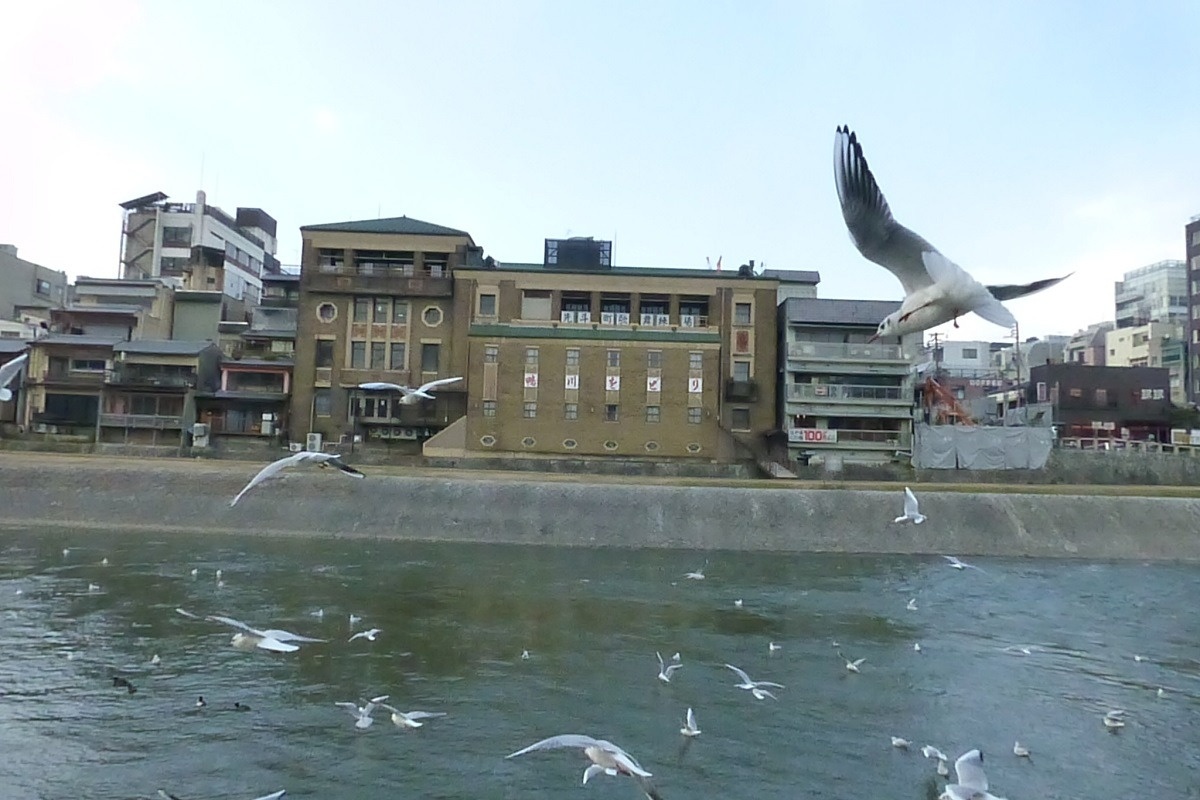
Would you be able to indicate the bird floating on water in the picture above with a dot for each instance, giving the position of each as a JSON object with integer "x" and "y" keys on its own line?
{"x": 1020, "y": 750}
{"x": 900, "y": 744}
{"x": 929, "y": 751}
{"x": 912, "y": 604}
{"x": 273, "y": 469}
{"x": 119, "y": 681}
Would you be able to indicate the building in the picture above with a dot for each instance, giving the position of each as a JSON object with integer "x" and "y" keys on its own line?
{"x": 1012, "y": 362}
{"x": 150, "y": 393}
{"x": 117, "y": 309}
{"x": 158, "y": 238}
{"x": 64, "y": 383}
{"x": 1112, "y": 402}
{"x": 196, "y": 315}
{"x": 793, "y": 282}
{"x": 376, "y": 303}
{"x": 574, "y": 356}
{"x": 1156, "y": 344}
{"x": 1191, "y": 233}
{"x": 843, "y": 395}
{"x": 1155, "y": 293}
{"x": 1089, "y": 346}
{"x": 24, "y": 284}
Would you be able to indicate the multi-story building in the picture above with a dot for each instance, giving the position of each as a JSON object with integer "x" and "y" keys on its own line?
{"x": 150, "y": 393}
{"x": 1113, "y": 402}
{"x": 842, "y": 394}
{"x": 1013, "y": 362}
{"x": 118, "y": 309}
{"x": 376, "y": 304}
{"x": 26, "y": 285}
{"x": 574, "y": 356}
{"x": 1155, "y": 293}
{"x": 1089, "y": 346}
{"x": 1191, "y": 233}
{"x": 64, "y": 383}
{"x": 158, "y": 238}
{"x": 1156, "y": 344}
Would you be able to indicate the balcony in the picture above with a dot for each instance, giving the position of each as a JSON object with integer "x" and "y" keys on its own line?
{"x": 826, "y": 351}
{"x": 842, "y": 438}
{"x": 71, "y": 377}
{"x": 847, "y": 393}
{"x": 377, "y": 280}
{"x": 741, "y": 391}
{"x": 141, "y": 377}
{"x": 153, "y": 421}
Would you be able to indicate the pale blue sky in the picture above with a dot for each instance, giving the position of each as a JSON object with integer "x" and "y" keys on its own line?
{"x": 1024, "y": 139}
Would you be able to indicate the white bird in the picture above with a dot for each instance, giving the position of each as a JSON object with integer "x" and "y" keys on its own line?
{"x": 916, "y": 647}
{"x": 737, "y": 603}
{"x": 9, "y": 371}
{"x": 852, "y": 666}
{"x": 1020, "y": 750}
{"x": 410, "y": 719}
{"x": 942, "y": 769}
{"x": 362, "y": 714}
{"x": 1018, "y": 650}
{"x": 104, "y": 561}
{"x": 1160, "y": 693}
{"x": 410, "y": 396}
{"x": 605, "y": 756}
{"x": 525, "y": 655}
{"x": 972, "y": 782}
{"x": 773, "y": 646}
{"x": 911, "y": 511}
{"x": 295, "y": 459}
{"x": 155, "y": 661}
{"x": 272, "y": 639}
{"x": 912, "y": 604}
{"x": 689, "y": 728}
{"x": 754, "y": 687}
{"x": 354, "y": 619}
{"x": 936, "y": 289}
{"x": 1139, "y": 659}
{"x": 929, "y": 751}
{"x": 219, "y": 573}
{"x": 899, "y": 743}
{"x": 66, "y": 552}
{"x": 273, "y": 795}
{"x": 958, "y": 563}
{"x": 666, "y": 670}
{"x": 93, "y": 587}
{"x": 1114, "y": 720}
{"x": 195, "y": 572}
{"x": 368, "y": 635}
{"x": 696, "y": 575}
{"x": 319, "y": 613}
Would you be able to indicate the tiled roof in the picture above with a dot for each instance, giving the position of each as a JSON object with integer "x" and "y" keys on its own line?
{"x": 822, "y": 311}
{"x": 164, "y": 347}
{"x": 394, "y": 225}
{"x": 79, "y": 340}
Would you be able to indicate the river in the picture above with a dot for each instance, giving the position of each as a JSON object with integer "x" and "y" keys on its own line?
{"x": 456, "y": 619}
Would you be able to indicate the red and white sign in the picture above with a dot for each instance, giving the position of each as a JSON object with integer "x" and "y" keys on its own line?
{"x": 612, "y": 383}
{"x": 531, "y": 380}
{"x": 571, "y": 382}
{"x": 653, "y": 384}
{"x": 812, "y": 435}
{"x": 695, "y": 385}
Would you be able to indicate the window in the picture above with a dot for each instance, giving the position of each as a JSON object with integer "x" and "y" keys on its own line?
{"x": 491, "y": 353}
{"x": 741, "y": 419}
{"x": 489, "y": 408}
{"x": 611, "y": 412}
{"x": 362, "y": 307}
{"x": 430, "y": 354}
{"x": 535, "y": 304}
{"x": 87, "y": 365}
{"x": 571, "y": 411}
{"x": 741, "y": 371}
{"x": 573, "y": 357}
{"x": 694, "y": 416}
{"x": 177, "y": 236}
{"x": 167, "y": 265}
{"x": 970, "y": 353}
{"x": 397, "y": 356}
{"x": 1102, "y": 397}
{"x": 654, "y": 359}
{"x": 531, "y": 356}
{"x": 400, "y": 312}
{"x": 614, "y": 358}
{"x": 323, "y": 402}
{"x": 695, "y": 360}
{"x": 432, "y": 316}
{"x": 326, "y": 312}
{"x": 487, "y": 305}
{"x": 324, "y": 353}
{"x": 378, "y": 354}
{"x": 1075, "y": 392}
{"x": 530, "y": 411}
{"x": 741, "y": 313}
{"x": 380, "y": 310}
{"x": 653, "y": 413}
{"x": 358, "y": 355}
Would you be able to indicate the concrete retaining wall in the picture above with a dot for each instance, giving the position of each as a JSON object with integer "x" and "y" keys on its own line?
{"x": 163, "y": 495}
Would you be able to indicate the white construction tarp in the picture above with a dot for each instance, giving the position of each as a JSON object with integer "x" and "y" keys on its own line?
{"x": 981, "y": 448}
{"x": 934, "y": 447}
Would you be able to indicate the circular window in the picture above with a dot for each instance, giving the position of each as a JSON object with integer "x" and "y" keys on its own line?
{"x": 570, "y": 444}
{"x": 432, "y": 316}
{"x": 651, "y": 446}
{"x": 610, "y": 445}
{"x": 327, "y": 312}
{"x": 529, "y": 441}
{"x": 487, "y": 441}
{"x": 694, "y": 447}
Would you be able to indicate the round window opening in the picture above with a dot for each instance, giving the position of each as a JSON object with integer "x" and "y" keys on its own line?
{"x": 529, "y": 441}
{"x": 327, "y": 312}
{"x": 570, "y": 444}
{"x": 610, "y": 445}
{"x": 432, "y": 316}
{"x": 487, "y": 441}
{"x": 694, "y": 447}
{"x": 651, "y": 446}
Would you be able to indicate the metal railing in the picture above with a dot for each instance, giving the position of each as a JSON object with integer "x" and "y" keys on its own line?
{"x": 140, "y": 421}
{"x": 849, "y": 352}
{"x": 844, "y": 391}
{"x": 133, "y": 377}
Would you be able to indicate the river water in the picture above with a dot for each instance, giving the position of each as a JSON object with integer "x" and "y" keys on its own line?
{"x": 456, "y": 619}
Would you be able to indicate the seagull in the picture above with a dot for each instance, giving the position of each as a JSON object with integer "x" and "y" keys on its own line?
{"x": 362, "y": 714}
{"x": 665, "y": 670}
{"x": 755, "y": 687}
{"x": 319, "y": 613}
{"x": 525, "y": 655}
{"x": 911, "y": 512}
{"x": 929, "y": 751}
{"x": 901, "y": 744}
{"x": 354, "y": 619}
{"x": 972, "y": 782}
{"x": 368, "y": 635}
{"x": 1015, "y": 649}
{"x": 155, "y": 661}
{"x": 248, "y": 638}
{"x": 697, "y": 575}
{"x": 605, "y": 756}
{"x": 410, "y": 396}
{"x": 773, "y": 646}
{"x": 854, "y": 665}
{"x": 195, "y": 572}
{"x": 936, "y": 289}
{"x": 942, "y": 769}
{"x": 1160, "y": 693}
{"x": 689, "y": 728}
{"x": 93, "y": 587}
{"x": 1020, "y": 750}
{"x": 1114, "y": 720}
{"x": 9, "y": 371}
{"x": 303, "y": 457}
{"x": 737, "y": 603}
{"x": 916, "y": 647}
{"x": 409, "y": 719}
{"x": 912, "y": 604}
{"x": 1139, "y": 659}
{"x": 958, "y": 563}
{"x": 104, "y": 561}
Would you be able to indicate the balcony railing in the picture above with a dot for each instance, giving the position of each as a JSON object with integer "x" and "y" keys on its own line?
{"x": 140, "y": 421}
{"x": 845, "y": 437}
{"x": 389, "y": 281}
{"x": 825, "y": 351}
{"x": 86, "y": 377}
{"x": 820, "y": 393}
{"x": 128, "y": 377}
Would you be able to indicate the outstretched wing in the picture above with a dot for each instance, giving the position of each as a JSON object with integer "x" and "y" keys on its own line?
{"x": 10, "y": 369}
{"x": 425, "y": 714}
{"x": 273, "y": 795}
{"x": 875, "y": 232}
{"x": 269, "y": 471}
{"x": 381, "y": 386}
{"x": 740, "y": 673}
{"x": 969, "y": 768}
{"x": 426, "y": 387}
{"x": 233, "y": 623}
{"x": 1013, "y": 291}
{"x": 911, "y": 509}
{"x": 557, "y": 742}
{"x": 287, "y": 636}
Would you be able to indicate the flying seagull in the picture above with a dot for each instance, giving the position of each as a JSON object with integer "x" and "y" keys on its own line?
{"x": 936, "y": 289}
{"x": 368, "y": 635}
{"x": 410, "y": 719}
{"x": 362, "y": 714}
{"x": 852, "y": 666}
{"x": 972, "y": 782}
{"x": 410, "y": 396}
{"x": 753, "y": 686}
{"x": 665, "y": 670}
{"x": 605, "y": 756}
{"x": 690, "y": 729}
{"x": 9, "y": 371}
{"x": 958, "y": 563}
{"x": 272, "y": 639}
{"x": 912, "y": 512}
{"x": 303, "y": 457}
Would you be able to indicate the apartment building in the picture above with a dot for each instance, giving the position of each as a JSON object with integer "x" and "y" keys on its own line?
{"x": 1154, "y": 293}
{"x": 1117, "y": 402}
{"x": 117, "y": 309}
{"x": 1156, "y": 344}
{"x": 576, "y": 356}
{"x": 377, "y": 304}
{"x": 24, "y": 284}
{"x": 1191, "y": 233}
{"x": 842, "y": 394}
{"x": 1089, "y": 346}
{"x": 65, "y": 382}
{"x": 149, "y": 395}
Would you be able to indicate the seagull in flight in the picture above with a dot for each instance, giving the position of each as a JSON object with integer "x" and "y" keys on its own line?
{"x": 605, "y": 756}
{"x": 368, "y": 635}
{"x": 912, "y": 511}
{"x": 697, "y": 575}
{"x": 409, "y": 719}
{"x": 972, "y": 782}
{"x": 753, "y": 686}
{"x": 665, "y": 670}
{"x": 295, "y": 459}
{"x": 929, "y": 751}
{"x": 362, "y": 714}
{"x": 852, "y": 666}
{"x": 410, "y": 396}
{"x": 936, "y": 289}
{"x": 248, "y": 638}
{"x": 9, "y": 371}
{"x": 689, "y": 728}
{"x": 958, "y": 563}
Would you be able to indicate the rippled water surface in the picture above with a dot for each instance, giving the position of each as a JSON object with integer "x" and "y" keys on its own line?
{"x": 456, "y": 619}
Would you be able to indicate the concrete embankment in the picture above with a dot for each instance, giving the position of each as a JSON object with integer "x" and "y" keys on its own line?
{"x": 190, "y": 496}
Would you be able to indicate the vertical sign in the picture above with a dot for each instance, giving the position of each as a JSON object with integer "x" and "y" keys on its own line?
{"x": 612, "y": 383}
{"x": 695, "y": 385}
{"x": 571, "y": 382}
{"x": 531, "y": 380}
{"x": 653, "y": 384}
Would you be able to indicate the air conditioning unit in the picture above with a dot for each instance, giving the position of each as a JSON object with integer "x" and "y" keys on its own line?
{"x": 608, "y": 318}
{"x": 622, "y": 318}
{"x": 566, "y": 316}
{"x": 407, "y": 433}
{"x": 662, "y": 320}
{"x": 41, "y": 427}
{"x": 295, "y": 447}
{"x": 647, "y": 319}
{"x": 584, "y": 316}
{"x": 312, "y": 442}
{"x": 689, "y": 320}
{"x": 200, "y": 429}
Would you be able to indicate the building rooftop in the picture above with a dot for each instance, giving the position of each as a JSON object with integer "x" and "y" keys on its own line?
{"x": 393, "y": 225}
{"x": 78, "y": 339}
{"x": 823, "y": 311}
{"x": 164, "y": 347}
{"x": 629, "y": 272}
{"x": 793, "y": 275}
{"x": 281, "y": 277}
{"x": 10, "y": 346}
{"x": 198, "y": 295}
{"x": 105, "y": 308}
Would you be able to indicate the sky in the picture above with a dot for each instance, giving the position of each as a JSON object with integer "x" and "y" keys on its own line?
{"x": 1024, "y": 139}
